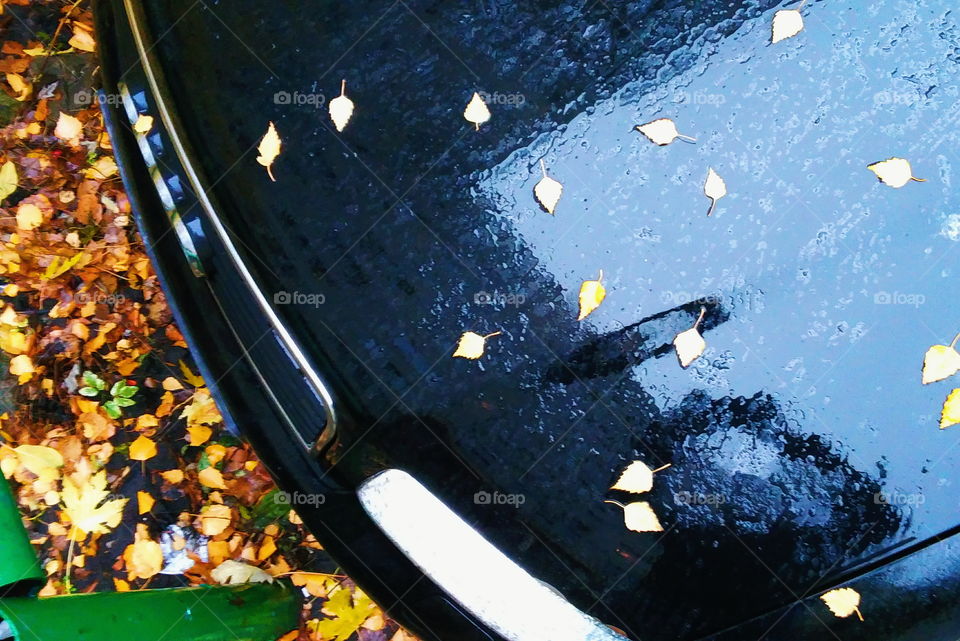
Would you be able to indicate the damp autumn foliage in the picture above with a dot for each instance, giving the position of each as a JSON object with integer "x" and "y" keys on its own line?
{"x": 109, "y": 436}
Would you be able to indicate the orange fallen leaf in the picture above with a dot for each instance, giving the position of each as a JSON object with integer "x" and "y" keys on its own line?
{"x": 142, "y": 449}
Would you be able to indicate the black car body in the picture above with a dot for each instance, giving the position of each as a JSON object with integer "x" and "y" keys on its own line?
{"x": 325, "y": 307}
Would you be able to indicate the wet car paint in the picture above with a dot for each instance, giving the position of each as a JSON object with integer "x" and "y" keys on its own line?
{"x": 807, "y": 405}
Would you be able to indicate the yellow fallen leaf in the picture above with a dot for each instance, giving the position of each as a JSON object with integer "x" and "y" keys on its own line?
{"x": 269, "y": 149}
{"x": 40, "y": 460}
{"x": 214, "y": 519}
{"x": 144, "y": 502}
{"x": 103, "y": 168}
{"x": 592, "y": 293}
{"x": 211, "y": 477}
{"x": 199, "y": 434}
{"x": 786, "y": 24}
{"x": 144, "y": 557}
{"x": 143, "y": 124}
{"x": 843, "y": 602}
{"x": 314, "y": 584}
{"x": 172, "y": 476}
{"x": 895, "y": 172}
{"x": 267, "y": 548}
{"x": 8, "y": 179}
{"x": 950, "y": 414}
{"x": 940, "y": 362}
{"x": 477, "y": 111}
{"x": 690, "y": 344}
{"x": 714, "y": 188}
{"x": 29, "y": 217}
{"x": 193, "y": 379}
{"x": 22, "y": 367}
{"x": 20, "y": 85}
{"x": 82, "y": 504}
{"x": 142, "y": 449}
{"x": 662, "y": 131}
{"x": 82, "y": 40}
{"x": 637, "y": 478}
{"x": 68, "y": 127}
{"x": 471, "y": 345}
{"x": 232, "y": 572}
{"x": 341, "y": 108}
{"x": 639, "y": 516}
{"x": 547, "y": 191}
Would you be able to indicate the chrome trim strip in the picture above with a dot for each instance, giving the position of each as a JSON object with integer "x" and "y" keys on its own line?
{"x": 469, "y": 568}
{"x": 154, "y": 78}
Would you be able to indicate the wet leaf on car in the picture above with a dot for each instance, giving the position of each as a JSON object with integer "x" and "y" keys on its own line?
{"x": 547, "y": 191}
{"x": 637, "y": 478}
{"x": 269, "y": 149}
{"x": 477, "y": 111}
{"x": 592, "y": 293}
{"x": 639, "y": 516}
{"x": 950, "y": 414}
{"x": 471, "y": 345}
{"x": 714, "y": 188}
{"x": 843, "y": 602}
{"x": 895, "y": 172}
{"x": 786, "y": 24}
{"x": 662, "y": 132}
{"x": 341, "y": 108}
{"x": 940, "y": 362}
{"x": 143, "y": 124}
{"x": 690, "y": 344}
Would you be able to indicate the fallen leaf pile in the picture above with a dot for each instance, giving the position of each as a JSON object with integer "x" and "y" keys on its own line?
{"x": 110, "y": 436}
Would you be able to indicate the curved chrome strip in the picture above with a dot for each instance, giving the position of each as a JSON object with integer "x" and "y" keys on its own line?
{"x": 152, "y": 71}
{"x": 470, "y": 569}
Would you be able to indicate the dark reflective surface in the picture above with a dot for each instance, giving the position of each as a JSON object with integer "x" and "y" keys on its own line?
{"x": 823, "y": 288}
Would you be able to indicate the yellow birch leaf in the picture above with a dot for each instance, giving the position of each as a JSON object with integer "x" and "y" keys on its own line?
{"x": 471, "y": 345}
{"x": 214, "y": 519}
{"x": 662, "y": 131}
{"x": 68, "y": 127}
{"x": 143, "y": 124}
{"x": 314, "y": 584}
{"x": 690, "y": 344}
{"x": 592, "y": 293}
{"x": 341, "y": 108}
{"x": 29, "y": 217}
{"x": 895, "y": 172}
{"x": 786, "y": 24}
{"x": 20, "y": 85}
{"x": 714, "y": 188}
{"x": 82, "y": 40}
{"x": 477, "y": 111}
{"x": 639, "y": 516}
{"x": 637, "y": 478}
{"x": 142, "y": 449}
{"x": 172, "y": 476}
{"x": 940, "y": 362}
{"x": 144, "y": 502}
{"x": 211, "y": 477}
{"x": 843, "y": 602}
{"x": 950, "y": 414}
{"x": 267, "y": 548}
{"x": 39, "y": 459}
{"x": 269, "y": 149}
{"x": 8, "y": 179}
{"x": 547, "y": 191}
{"x": 144, "y": 557}
{"x": 22, "y": 367}
{"x": 232, "y": 572}
{"x": 199, "y": 434}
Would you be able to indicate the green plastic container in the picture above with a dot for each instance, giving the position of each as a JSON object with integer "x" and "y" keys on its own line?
{"x": 251, "y": 612}
{"x": 20, "y": 571}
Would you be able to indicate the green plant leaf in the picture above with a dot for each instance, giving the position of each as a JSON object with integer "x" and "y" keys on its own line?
{"x": 113, "y": 411}
{"x": 88, "y": 391}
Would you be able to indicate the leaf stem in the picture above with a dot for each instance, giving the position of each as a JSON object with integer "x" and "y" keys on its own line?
{"x": 661, "y": 468}
{"x": 343, "y": 87}
{"x": 859, "y": 615}
{"x": 713, "y": 205}
{"x": 687, "y": 138}
{"x": 617, "y": 503}
{"x": 496, "y": 333}
{"x": 953, "y": 343}
{"x": 918, "y": 180}
{"x": 703, "y": 311}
